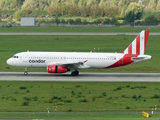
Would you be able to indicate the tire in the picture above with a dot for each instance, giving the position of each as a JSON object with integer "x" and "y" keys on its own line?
{"x": 25, "y": 73}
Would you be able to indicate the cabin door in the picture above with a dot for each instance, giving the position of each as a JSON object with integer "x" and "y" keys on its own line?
{"x": 25, "y": 57}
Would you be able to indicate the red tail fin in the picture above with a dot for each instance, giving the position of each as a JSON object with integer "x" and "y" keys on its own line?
{"x": 139, "y": 44}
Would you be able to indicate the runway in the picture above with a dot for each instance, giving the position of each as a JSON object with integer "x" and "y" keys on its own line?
{"x": 83, "y": 77}
{"x": 75, "y": 33}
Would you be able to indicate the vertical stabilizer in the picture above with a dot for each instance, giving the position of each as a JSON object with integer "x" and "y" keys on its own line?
{"x": 139, "y": 44}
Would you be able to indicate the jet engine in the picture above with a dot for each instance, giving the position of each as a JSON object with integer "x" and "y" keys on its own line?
{"x": 56, "y": 69}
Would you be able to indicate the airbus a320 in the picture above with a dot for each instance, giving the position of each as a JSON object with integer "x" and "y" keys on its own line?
{"x": 62, "y": 62}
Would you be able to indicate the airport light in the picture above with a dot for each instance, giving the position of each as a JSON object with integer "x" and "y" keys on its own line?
{"x": 55, "y": 108}
{"x": 48, "y": 110}
{"x": 152, "y": 111}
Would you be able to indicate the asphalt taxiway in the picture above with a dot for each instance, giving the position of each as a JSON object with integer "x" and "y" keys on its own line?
{"x": 83, "y": 77}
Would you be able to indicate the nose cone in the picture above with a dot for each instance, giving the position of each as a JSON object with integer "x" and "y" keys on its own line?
{"x": 9, "y": 62}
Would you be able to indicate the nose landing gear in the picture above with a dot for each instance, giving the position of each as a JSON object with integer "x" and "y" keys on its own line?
{"x": 26, "y": 71}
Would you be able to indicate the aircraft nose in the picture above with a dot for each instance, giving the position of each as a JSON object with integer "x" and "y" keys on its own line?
{"x": 9, "y": 61}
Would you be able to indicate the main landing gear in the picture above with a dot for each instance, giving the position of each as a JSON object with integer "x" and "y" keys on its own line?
{"x": 26, "y": 71}
{"x": 75, "y": 73}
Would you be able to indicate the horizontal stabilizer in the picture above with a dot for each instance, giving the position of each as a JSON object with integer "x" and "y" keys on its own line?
{"x": 141, "y": 58}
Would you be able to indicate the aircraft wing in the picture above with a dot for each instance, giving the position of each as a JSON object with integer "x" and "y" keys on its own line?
{"x": 71, "y": 64}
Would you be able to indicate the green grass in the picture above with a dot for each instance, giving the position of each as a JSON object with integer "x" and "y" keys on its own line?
{"x": 78, "y": 96}
{"x": 79, "y": 116}
{"x": 101, "y": 99}
{"x": 14, "y": 44}
{"x": 80, "y": 29}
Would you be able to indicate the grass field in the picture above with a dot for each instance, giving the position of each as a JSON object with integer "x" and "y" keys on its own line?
{"x": 76, "y": 29}
{"x": 78, "y": 97}
{"x": 14, "y": 44}
{"x": 79, "y": 116}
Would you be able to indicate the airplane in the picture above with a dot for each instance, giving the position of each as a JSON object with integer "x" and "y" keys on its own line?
{"x": 62, "y": 62}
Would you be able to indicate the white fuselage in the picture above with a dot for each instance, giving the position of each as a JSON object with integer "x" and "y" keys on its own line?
{"x": 43, "y": 59}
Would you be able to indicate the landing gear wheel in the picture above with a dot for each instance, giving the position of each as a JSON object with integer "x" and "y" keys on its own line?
{"x": 75, "y": 73}
{"x": 25, "y": 73}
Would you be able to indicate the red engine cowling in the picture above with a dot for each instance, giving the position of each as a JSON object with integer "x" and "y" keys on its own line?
{"x": 56, "y": 69}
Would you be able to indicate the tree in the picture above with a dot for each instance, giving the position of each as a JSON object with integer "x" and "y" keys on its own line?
{"x": 94, "y": 10}
{"x": 145, "y": 2}
{"x": 134, "y": 11}
{"x": 151, "y": 6}
{"x": 20, "y": 13}
{"x": 114, "y": 3}
{"x": 123, "y": 4}
{"x": 130, "y": 17}
{"x": 75, "y": 9}
{"x": 82, "y": 10}
{"x": 37, "y": 4}
{"x": 62, "y": 9}
{"x": 71, "y": 2}
{"x": 151, "y": 19}
{"x": 105, "y": 3}
{"x": 88, "y": 10}
{"x": 52, "y": 10}
{"x": 112, "y": 11}
{"x": 102, "y": 10}
{"x": 82, "y": 3}
{"x": 158, "y": 6}
{"x": 1, "y": 4}
{"x": 92, "y": 2}
{"x": 55, "y": 2}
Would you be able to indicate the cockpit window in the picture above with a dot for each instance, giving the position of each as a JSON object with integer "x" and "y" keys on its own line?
{"x": 15, "y": 56}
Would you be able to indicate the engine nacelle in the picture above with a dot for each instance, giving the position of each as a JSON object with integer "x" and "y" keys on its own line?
{"x": 56, "y": 69}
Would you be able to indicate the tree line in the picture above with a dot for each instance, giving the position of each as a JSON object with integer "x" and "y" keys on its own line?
{"x": 126, "y": 10}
